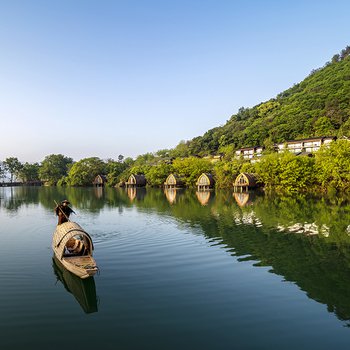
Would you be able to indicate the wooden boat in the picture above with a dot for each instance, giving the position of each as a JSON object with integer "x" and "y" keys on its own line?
{"x": 84, "y": 290}
{"x": 73, "y": 248}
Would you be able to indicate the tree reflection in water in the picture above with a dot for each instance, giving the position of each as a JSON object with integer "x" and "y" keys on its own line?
{"x": 304, "y": 239}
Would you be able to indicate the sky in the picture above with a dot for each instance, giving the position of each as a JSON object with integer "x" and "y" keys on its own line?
{"x": 100, "y": 78}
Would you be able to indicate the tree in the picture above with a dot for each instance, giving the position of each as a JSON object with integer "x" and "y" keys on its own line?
{"x": 120, "y": 158}
{"x": 333, "y": 165}
{"x": 128, "y": 161}
{"x": 191, "y": 168}
{"x": 13, "y": 166}
{"x": 181, "y": 150}
{"x": 29, "y": 172}
{"x": 147, "y": 158}
{"x": 336, "y": 58}
{"x": 285, "y": 172}
{"x": 345, "y": 53}
{"x": 54, "y": 167}
{"x": 157, "y": 174}
{"x": 163, "y": 153}
{"x": 324, "y": 127}
{"x": 2, "y": 170}
{"x": 226, "y": 172}
{"x": 83, "y": 172}
{"x": 114, "y": 169}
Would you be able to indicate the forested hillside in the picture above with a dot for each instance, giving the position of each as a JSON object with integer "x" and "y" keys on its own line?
{"x": 317, "y": 106}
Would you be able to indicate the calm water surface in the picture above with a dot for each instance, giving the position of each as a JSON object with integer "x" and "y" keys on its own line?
{"x": 179, "y": 270}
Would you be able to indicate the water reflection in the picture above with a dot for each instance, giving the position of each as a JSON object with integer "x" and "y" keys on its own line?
{"x": 243, "y": 198}
{"x": 305, "y": 229}
{"x": 98, "y": 191}
{"x": 304, "y": 239}
{"x": 203, "y": 197}
{"x": 84, "y": 290}
{"x": 137, "y": 193}
{"x": 172, "y": 193}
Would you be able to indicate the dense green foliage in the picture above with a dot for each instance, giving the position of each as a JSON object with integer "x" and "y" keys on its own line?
{"x": 286, "y": 172}
{"x": 13, "y": 166}
{"x": 114, "y": 170}
{"x": 332, "y": 168}
{"x": 2, "y": 171}
{"x": 29, "y": 172}
{"x": 54, "y": 167}
{"x": 83, "y": 172}
{"x": 317, "y": 106}
{"x": 191, "y": 168}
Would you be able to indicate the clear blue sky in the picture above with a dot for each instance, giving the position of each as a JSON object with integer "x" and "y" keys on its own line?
{"x": 101, "y": 78}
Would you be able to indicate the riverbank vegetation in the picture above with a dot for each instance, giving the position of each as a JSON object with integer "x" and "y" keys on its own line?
{"x": 317, "y": 106}
{"x": 327, "y": 170}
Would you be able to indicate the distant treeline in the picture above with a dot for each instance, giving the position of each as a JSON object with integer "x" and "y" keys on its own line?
{"x": 327, "y": 170}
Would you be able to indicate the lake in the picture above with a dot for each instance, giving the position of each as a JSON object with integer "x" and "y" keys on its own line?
{"x": 178, "y": 270}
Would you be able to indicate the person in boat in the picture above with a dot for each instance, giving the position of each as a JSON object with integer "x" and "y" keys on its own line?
{"x": 63, "y": 212}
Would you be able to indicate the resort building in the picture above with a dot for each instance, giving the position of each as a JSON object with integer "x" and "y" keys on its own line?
{"x": 249, "y": 152}
{"x": 303, "y": 146}
{"x": 309, "y": 145}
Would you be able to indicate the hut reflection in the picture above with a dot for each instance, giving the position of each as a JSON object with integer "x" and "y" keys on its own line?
{"x": 137, "y": 193}
{"x": 98, "y": 191}
{"x": 244, "y": 199}
{"x": 170, "y": 194}
{"x": 84, "y": 290}
{"x": 203, "y": 197}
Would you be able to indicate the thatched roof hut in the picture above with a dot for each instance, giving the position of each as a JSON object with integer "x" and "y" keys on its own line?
{"x": 246, "y": 181}
{"x": 100, "y": 180}
{"x": 205, "y": 182}
{"x": 173, "y": 181}
{"x": 136, "y": 180}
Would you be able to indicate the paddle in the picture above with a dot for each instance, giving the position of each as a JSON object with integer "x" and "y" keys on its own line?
{"x": 62, "y": 211}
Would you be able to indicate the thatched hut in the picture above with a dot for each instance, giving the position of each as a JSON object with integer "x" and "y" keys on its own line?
{"x": 205, "y": 182}
{"x": 136, "y": 180}
{"x": 173, "y": 181}
{"x": 245, "y": 182}
{"x": 100, "y": 180}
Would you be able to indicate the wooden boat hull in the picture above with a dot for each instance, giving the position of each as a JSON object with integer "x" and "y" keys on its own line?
{"x": 81, "y": 266}
{"x": 79, "y": 260}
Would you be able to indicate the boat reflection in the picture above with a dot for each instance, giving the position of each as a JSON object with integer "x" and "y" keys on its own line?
{"x": 84, "y": 290}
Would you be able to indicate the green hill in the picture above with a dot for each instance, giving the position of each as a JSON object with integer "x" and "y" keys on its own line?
{"x": 317, "y": 106}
